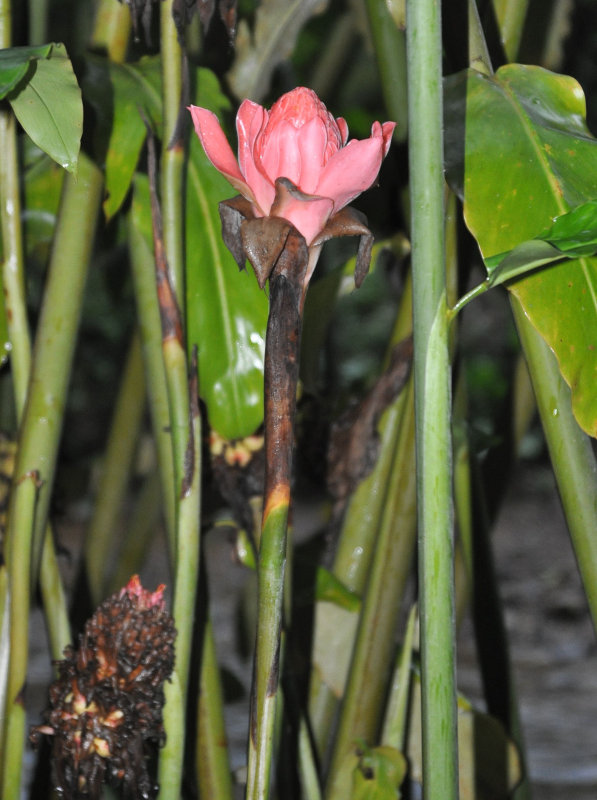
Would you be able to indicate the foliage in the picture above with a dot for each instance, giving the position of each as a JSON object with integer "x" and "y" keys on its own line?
{"x": 104, "y": 185}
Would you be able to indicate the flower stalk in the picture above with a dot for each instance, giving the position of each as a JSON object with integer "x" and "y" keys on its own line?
{"x": 432, "y": 402}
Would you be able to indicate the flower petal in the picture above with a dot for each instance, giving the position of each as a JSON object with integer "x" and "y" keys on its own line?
{"x": 354, "y": 168}
{"x": 341, "y": 122}
{"x": 312, "y": 141}
{"x": 250, "y": 122}
{"x": 217, "y": 149}
{"x": 308, "y": 213}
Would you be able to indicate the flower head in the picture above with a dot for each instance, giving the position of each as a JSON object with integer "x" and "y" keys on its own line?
{"x": 105, "y": 712}
{"x": 300, "y": 142}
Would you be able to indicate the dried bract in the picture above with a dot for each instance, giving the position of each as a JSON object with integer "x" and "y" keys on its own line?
{"x": 105, "y": 712}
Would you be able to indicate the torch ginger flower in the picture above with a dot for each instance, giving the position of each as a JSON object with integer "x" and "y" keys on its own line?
{"x": 294, "y": 161}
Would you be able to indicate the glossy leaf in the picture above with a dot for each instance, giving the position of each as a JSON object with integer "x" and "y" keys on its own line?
{"x": 226, "y": 310}
{"x": 50, "y": 109}
{"x": 16, "y": 64}
{"x": 120, "y": 94}
{"x": 519, "y": 152}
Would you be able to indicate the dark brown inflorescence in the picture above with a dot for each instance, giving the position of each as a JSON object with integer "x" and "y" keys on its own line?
{"x": 105, "y": 712}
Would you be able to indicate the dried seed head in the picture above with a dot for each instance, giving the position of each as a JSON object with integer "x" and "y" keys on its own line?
{"x": 105, "y": 712}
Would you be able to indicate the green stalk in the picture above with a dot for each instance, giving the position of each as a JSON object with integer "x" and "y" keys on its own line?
{"x": 390, "y": 49}
{"x": 186, "y": 439}
{"x": 362, "y": 705}
{"x": 432, "y": 402}
{"x": 172, "y": 163}
{"x": 19, "y": 536}
{"x": 116, "y": 469}
{"x": 148, "y": 313}
{"x": 42, "y": 421}
{"x": 38, "y": 21}
{"x": 359, "y": 534}
{"x": 510, "y": 17}
{"x": 185, "y": 431}
{"x": 211, "y": 752}
{"x": 112, "y": 29}
{"x": 139, "y": 532}
{"x": 570, "y": 451}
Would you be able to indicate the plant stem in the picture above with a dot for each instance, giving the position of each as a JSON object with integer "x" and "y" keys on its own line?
{"x": 172, "y": 175}
{"x": 432, "y": 402}
{"x": 282, "y": 350}
{"x": 112, "y": 29}
{"x": 510, "y": 17}
{"x": 148, "y": 313}
{"x": 116, "y": 469}
{"x": 390, "y": 49}
{"x": 362, "y": 705}
{"x": 570, "y": 451}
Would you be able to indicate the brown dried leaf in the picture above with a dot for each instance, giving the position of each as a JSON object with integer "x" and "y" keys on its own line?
{"x": 354, "y": 442}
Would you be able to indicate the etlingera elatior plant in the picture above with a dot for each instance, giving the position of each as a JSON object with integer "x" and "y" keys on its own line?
{"x": 296, "y": 173}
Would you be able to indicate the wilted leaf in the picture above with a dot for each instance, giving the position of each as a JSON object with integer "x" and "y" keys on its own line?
{"x": 50, "y": 109}
{"x": 519, "y": 151}
{"x": 258, "y": 53}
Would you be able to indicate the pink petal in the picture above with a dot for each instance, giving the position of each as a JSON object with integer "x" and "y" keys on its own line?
{"x": 217, "y": 149}
{"x": 281, "y": 157}
{"x": 312, "y": 140}
{"x": 307, "y": 213}
{"x": 353, "y": 169}
{"x": 341, "y": 122}
{"x": 250, "y": 122}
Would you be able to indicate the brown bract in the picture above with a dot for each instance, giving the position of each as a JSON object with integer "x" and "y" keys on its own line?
{"x": 105, "y": 714}
{"x": 261, "y": 240}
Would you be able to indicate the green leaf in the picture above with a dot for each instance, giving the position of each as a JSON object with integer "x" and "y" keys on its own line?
{"x": 50, "y": 109}
{"x": 379, "y": 774}
{"x": 519, "y": 151}
{"x": 328, "y": 588}
{"x": 226, "y": 310}
{"x": 17, "y": 63}
{"x": 120, "y": 93}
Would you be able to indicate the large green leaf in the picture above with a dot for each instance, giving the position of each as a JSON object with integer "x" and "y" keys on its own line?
{"x": 16, "y": 64}
{"x": 226, "y": 310}
{"x": 50, "y": 109}
{"x": 520, "y": 153}
{"x": 120, "y": 94}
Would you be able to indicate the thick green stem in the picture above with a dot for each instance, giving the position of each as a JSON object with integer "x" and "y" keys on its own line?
{"x": 112, "y": 29}
{"x": 211, "y": 754}
{"x": 116, "y": 469}
{"x": 186, "y": 439}
{"x": 148, "y": 312}
{"x": 570, "y": 451}
{"x": 42, "y": 422}
{"x": 172, "y": 174}
{"x": 390, "y": 49}
{"x": 362, "y": 705}
{"x": 432, "y": 402}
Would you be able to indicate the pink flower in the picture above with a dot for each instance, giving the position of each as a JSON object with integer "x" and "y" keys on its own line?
{"x": 298, "y": 140}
